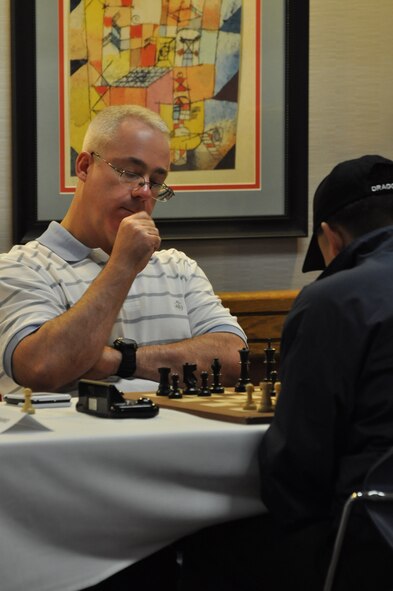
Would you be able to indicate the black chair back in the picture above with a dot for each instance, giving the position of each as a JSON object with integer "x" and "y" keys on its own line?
{"x": 377, "y": 496}
{"x": 380, "y": 480}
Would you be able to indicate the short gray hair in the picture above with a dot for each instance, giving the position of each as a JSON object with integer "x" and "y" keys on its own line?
{"x": 104, "y": 126}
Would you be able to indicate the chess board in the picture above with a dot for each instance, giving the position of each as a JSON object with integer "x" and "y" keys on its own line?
{"x": 221, "y": 407}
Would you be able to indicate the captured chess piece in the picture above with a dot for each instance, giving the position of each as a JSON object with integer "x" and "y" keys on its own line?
{"x": 164, "y": 388}
{"x": 189, "y": 379}
{"x": 244, "y": 370}
{"x": 216, "y": 387}
{"x": 265, "y": 404}
{"x": 27, "y": 406}
{"x": 204, "y": 390}
{"x": 250, "y": 404}
{"x": 175, "y": 391}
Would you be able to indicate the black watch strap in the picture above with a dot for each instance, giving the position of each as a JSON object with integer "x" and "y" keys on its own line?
{"x": 127, "y": 348}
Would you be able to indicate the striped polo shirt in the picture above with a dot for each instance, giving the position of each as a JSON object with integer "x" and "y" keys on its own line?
{"x": 170, "y": 300}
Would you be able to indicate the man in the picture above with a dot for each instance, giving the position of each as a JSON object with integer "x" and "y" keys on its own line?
{"x": 334, "y": 416}
{"x": 68, "y": 297}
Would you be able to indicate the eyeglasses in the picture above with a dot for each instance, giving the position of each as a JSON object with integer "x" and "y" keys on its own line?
{"x": 160, "y": 191}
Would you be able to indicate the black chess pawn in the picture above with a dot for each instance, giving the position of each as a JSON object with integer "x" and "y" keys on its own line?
{"x": 216, "y": 387}
{"x": 269, "y": 361}
{"x": 189, "y": 379}
{"x": 273, "y": 380}
{"x": 273, "y": 376}
{"x": 204, "y": 390}
{"x": 175, "y": 392}
{"x": 164, "y": 388}
{"x": 244, "y": 378}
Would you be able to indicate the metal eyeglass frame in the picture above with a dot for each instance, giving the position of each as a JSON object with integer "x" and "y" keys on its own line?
{"x": 164, "y": 193}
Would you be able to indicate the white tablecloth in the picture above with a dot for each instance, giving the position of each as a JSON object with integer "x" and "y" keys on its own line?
{"x": 92, "y": 496}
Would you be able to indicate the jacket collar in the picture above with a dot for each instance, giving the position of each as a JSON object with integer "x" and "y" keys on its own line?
{"x": 360, "y": 248}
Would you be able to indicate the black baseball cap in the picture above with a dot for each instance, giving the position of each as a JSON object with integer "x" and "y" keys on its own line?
{"x": 348, "y": 182}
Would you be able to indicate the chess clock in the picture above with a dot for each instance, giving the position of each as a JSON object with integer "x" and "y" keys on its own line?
{"x": 102, "y": 399}
{"x": 127, "y": 348}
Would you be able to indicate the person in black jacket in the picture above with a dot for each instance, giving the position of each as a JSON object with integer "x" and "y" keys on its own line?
{"x": 334, "y": 416}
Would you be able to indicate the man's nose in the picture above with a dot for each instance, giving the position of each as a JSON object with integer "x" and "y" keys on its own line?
{"x": 142, "y": 190}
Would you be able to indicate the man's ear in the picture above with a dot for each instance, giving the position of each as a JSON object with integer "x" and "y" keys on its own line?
{"x": 334, "y": 240}
{"x": 82, "y": 163}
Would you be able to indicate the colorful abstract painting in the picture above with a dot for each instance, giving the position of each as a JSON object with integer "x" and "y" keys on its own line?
{"x": 180, "y": 58}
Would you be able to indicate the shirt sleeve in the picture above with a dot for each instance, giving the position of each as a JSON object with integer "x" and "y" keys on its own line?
{"x": 26, "y": 302}
{"x": 205, "y": 310}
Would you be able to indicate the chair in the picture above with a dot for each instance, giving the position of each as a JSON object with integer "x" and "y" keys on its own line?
{"x": 377, "y": 496}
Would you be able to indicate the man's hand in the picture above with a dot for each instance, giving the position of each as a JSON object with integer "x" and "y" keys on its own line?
{"x": 136, "y": 240}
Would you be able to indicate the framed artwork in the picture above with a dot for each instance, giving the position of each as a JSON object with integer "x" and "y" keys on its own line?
{"x": 229, "y": 78}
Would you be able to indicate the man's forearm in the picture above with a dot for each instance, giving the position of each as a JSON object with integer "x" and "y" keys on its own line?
{"x": 200, "y": 350}
{"x": 65, "y": 348}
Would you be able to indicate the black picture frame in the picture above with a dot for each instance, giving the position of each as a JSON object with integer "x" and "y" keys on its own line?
{"x": 293, "y": 222}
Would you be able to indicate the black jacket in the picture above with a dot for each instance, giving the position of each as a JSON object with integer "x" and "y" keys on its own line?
{"x": 334, "y": 416}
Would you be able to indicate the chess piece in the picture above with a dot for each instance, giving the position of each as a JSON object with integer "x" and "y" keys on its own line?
{"x": 189, "y": 379}
{"x": 244, "y": 371}
{"x": 216, "y": 387}
{"x": 277, "y": 388}
{"x": 270, "y": 360}
{"x": 164, "y": 388}
{"x": 175, "y": 392}
{"x": 273, "y": 382}
{"x": 273, "y": 377}
{"x": 27, "y": 406}
{"x": 204, "y": 390}
{"x": 265, "y": 404}
{"x": 250, "y": 404}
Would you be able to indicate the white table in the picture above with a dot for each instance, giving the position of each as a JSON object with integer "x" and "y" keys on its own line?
{"x": 91, "y": 496}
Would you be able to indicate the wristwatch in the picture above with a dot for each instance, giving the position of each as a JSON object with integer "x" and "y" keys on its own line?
{"x": 127, "y": 348}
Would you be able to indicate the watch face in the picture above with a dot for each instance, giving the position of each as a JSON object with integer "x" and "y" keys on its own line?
{"x": 122, "y": 342}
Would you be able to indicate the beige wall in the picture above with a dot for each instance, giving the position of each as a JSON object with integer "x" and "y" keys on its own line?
{"x": 351, "y": 113}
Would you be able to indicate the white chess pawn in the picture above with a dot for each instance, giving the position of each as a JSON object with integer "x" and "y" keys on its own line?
{"x": 277, "y": 388}
{"x": 27, "y": 405}
{"x": 250, "y": 404}
{"x": 265, "y": 401}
